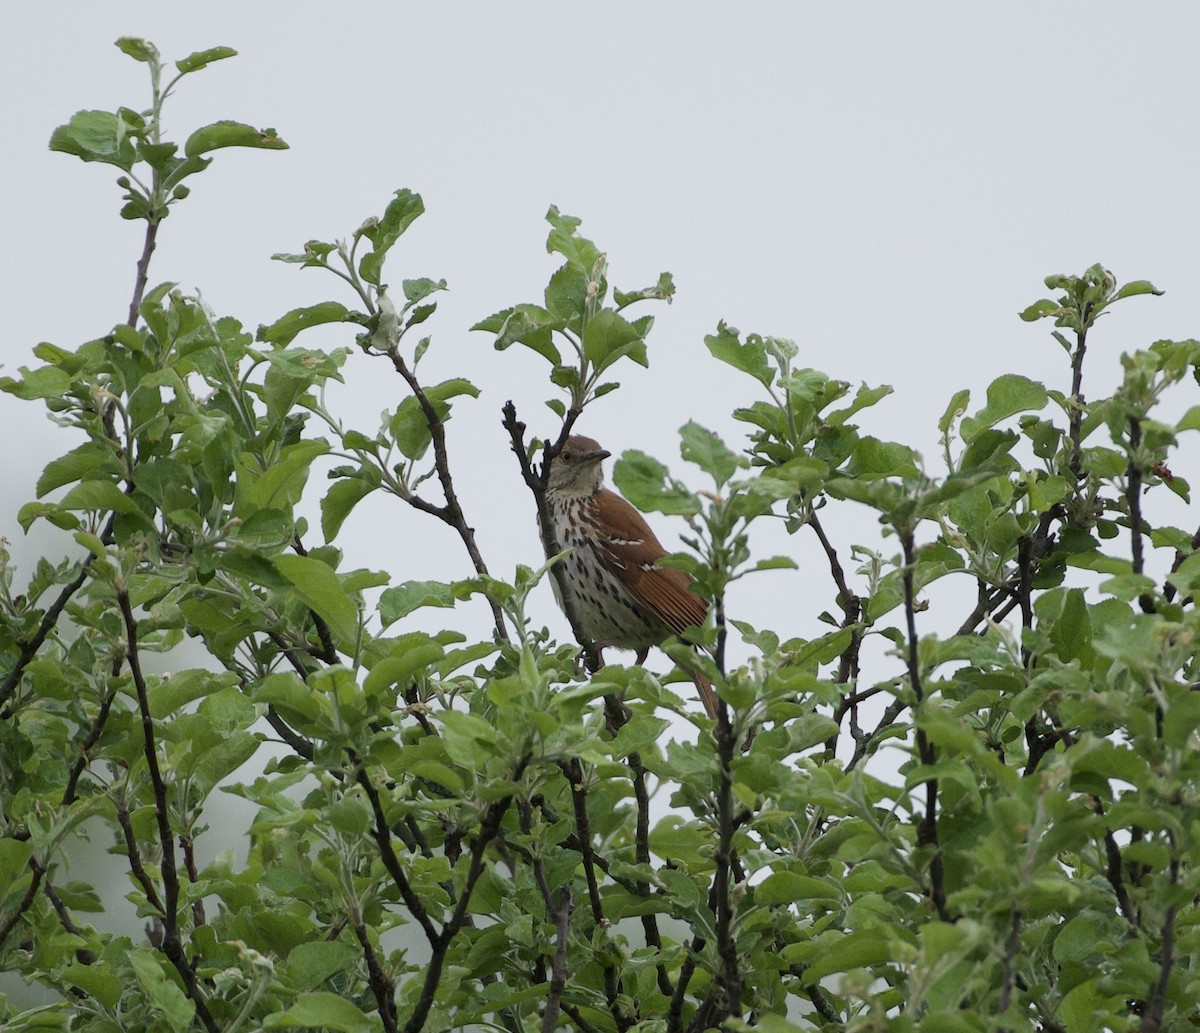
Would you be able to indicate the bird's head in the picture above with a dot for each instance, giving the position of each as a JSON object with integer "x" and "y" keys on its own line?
{"x": 576, "y": 469}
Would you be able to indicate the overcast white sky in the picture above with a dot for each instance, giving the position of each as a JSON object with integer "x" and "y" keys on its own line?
{"x": 886, "y": 184}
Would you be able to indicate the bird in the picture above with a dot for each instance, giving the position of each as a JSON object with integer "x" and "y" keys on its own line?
{"x": 618, "y": 592}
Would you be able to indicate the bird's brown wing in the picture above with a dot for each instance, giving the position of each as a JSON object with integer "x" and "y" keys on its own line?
{"x": 630, "y": 549}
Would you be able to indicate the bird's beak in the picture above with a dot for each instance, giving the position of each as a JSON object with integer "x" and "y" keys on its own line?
{"x": 598, "y": 456}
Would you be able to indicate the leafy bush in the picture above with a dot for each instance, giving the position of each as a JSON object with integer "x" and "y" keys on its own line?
{"x": 452, "y": 832}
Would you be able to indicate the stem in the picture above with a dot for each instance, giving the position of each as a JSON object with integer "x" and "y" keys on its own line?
{"x": 927, "y": 834}
{"x": 452, "y": 513}
{"x": 1077, "y": 402}
{"x": 381, "y": 986}
{"x": 171, "y": 945}
{"x": 730, "y": 979}
{"x": 536, "y": 482}
{"x": 383, "y": 839}
{"x": 558, "y": 972}
{"x": 433, "y": 971}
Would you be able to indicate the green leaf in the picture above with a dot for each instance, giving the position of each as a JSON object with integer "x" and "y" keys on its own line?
{"x": 785, "y": 887}
{"x": 1190, "y": 420}
{"x": 958, "y": 406}
{"x": 864, "y": 398}
{"x": 59, "y": 517}
{"x": 608, "y": 337}
{"x": 138, "y": 49}
{"x": 1134, "y": 287}
{"x": 705, "y": 449}
{"x": 182, "y": 687}
{"x": 310, "y": 964}
{"x": 340, "y": 500}
{"x": 321, "y": 1011}
{"x": 1041, "y": 309}
{"x": 409, "y": 426}
{"x": 403, "y": 209}
{"x": 578, "y": 251}
{"x": 43, "y": 382}
{"x": 419, "y": 289}
{"x": 1007, "y": 395}
{"x": 95, "y": 136}
{"x": 400, "y": 600}
{"x": 647, "y": 484}
{"x": 99, "y": 495}
{"x": 664, "y": 290}
{"x": 89, "y": 459}
{"x": 280, "y": 486}
{"x": 231, "y": 134}
{"x": 14, "y": 860}
{"x": 287, "y": 326}
{"x": 318, "y": 587}
{"x": 409, "y": 654}
{"x": 530, "y": 325}
{"x": 164, "y": 995}
{"x": 750, "y": 357}
{"x": 856, "y": 950}
{"x": 203, "y": 58}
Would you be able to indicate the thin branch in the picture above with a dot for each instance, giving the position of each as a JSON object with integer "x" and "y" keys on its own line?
{"x": 1010, "y": 956}
{"x": 1166, "y": 962}
{"x": 31, "y": 645}
{"x": 1075, "y": 429}
{"x": 573, "y": 772}
{"x": 383, "y": 839}
{"x": 641, "y": 841}
{"x": 927, "y": 832}
{"x": 289, "y": 735}
{"x": 558, "y": 971}
{"x": 136, "y": 868}
{"x": 729, "y": 978}
{"x": 143, "y": 267}
{"x": 686, "y": 971}
{"x": 452, "y": 513}
{"x": 90, "y": 740}
{"x": 536, "y": 482}
{"x": 10, "y": 922}
{"x": 84, "y": 957}
{"x": 1112, "y": 872}
{"x": 324, "y": 636}
{"x": 171, "y": 945}
{"x": 433, "y": 971}
{"x": 381, "y": 986}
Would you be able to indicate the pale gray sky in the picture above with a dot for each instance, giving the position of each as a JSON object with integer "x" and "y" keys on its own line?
{"x": 886, "y": 184}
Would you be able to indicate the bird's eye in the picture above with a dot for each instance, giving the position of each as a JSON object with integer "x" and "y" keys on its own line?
{"x": 565, "y": 456}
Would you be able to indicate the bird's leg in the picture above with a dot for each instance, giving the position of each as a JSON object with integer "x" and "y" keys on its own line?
{"x": 581, "y": 659}
{"x": 641, "y": 657}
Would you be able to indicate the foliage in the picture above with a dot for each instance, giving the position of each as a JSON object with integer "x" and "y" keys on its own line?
{"x": 461, "y": 832}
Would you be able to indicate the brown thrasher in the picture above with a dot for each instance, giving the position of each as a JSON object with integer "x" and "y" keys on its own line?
{"x": 619, "y": 594}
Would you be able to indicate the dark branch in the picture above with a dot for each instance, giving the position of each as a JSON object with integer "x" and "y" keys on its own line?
{"x": 536, "y": 482}
{"x": 452, "y": 513}
{"x": 381, "y": 986}
{"x": 171, "y": 945}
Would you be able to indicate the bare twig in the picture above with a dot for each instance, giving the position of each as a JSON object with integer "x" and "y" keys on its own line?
{"x": 927, "y": 833}
{"x": 171, "y": 945}
{"x": 558, "y": 971}
{"x": 1157, "y": 1004}
{"x": 433, "y": 971}
{"x": 381, "y": 986}
{"x": 452, "y": 512}
{"x": 383, "y": 839}
{"x": 11, "y": 920}
{"x": 536, "y": 482}
{"x": 143, "y": 265}
{"x": 1010, "y": 956}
